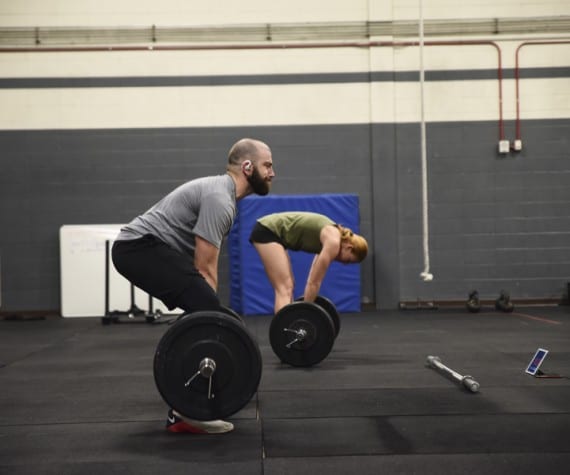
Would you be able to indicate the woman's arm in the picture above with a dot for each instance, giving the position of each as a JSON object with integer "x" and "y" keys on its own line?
{"x": 330, "y": 239}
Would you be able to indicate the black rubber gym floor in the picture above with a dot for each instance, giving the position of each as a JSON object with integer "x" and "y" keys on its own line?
{"x": 78, "y": 397}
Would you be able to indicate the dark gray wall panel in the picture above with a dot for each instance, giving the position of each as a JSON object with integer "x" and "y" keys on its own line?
{"x": 496, "y": 222}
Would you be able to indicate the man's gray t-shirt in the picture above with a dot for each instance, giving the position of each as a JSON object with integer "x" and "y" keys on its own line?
{"x": 204, "y": 207}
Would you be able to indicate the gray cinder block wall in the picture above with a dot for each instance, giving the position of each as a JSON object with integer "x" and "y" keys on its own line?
{"x": 495, "y": 221}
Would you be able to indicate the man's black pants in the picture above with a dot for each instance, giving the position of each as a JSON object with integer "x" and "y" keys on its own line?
{"x": 163, "y": 272}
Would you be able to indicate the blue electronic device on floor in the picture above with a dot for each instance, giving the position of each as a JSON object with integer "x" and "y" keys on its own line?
{"x": 536, "y": 361}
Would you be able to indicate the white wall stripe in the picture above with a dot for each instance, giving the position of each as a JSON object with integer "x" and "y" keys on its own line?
{"x": 277, "y": 105}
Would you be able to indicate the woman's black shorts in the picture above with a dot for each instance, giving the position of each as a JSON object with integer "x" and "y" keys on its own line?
{"x": 263, "y": 235}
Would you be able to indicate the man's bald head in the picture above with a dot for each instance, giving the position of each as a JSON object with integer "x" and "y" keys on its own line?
{"x": 250, "y": 163}
{"x": 246, "y": 149}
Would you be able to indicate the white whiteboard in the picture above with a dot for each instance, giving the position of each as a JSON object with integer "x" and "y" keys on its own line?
{"x": 82, "y": 259}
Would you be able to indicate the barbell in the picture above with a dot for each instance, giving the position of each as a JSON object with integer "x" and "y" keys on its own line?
{"x": 303, "y": 333}
{"x": 207, "y": 365}
{"x": 467, "y": 381}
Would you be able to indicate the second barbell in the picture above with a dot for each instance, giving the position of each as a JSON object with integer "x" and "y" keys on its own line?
{"x": 302, "y": 334}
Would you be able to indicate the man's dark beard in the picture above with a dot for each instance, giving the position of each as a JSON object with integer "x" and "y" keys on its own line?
{"x": 258, "y": 184}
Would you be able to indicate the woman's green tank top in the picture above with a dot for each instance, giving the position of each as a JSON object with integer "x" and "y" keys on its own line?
{"x": 298, "y": 230}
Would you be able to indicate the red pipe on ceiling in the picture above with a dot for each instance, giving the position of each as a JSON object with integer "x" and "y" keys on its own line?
{"x": 356, "y": 44}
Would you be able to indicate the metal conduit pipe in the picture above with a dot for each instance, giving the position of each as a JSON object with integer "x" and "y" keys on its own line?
{"x": 518, "y": 137}
{"x": 354, "y": 44}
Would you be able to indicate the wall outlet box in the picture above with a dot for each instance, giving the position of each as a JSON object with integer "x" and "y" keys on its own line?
{"x": 504, "y": 146}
